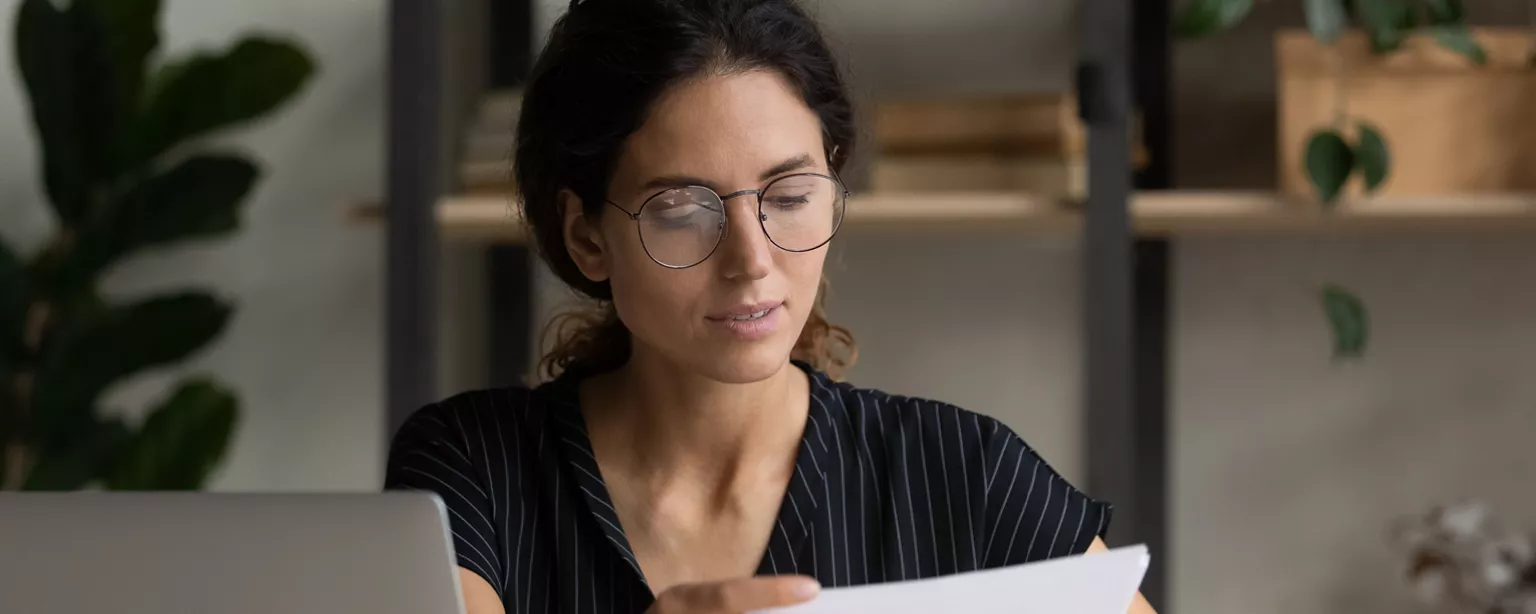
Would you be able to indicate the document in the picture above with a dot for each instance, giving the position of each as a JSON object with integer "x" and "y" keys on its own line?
{"x": 1098, "y": 583}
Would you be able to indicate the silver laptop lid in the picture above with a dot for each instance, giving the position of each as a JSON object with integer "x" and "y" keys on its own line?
{"x": 171, "y": 553}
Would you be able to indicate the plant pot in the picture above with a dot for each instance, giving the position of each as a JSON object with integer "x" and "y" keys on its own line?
{"x": 1453, "y": 127}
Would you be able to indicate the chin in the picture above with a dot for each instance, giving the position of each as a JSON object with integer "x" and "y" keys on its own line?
{"x": 742, "y": 365}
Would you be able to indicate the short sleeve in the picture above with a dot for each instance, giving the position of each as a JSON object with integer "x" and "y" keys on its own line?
{"x": 431, "y": 452}
{"x": 1033, "y": 513}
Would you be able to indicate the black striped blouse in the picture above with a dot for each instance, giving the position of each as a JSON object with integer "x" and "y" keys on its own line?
{"x": 886, "y": 488}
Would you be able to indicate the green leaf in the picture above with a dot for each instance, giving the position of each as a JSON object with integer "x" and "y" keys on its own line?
{"x": 77, "y": 462}
{"x": 209, "y": 92}
{"x": 13, "y": 302}
{"x": 1459, "y": 39}
{"x": 61, "y": 63}
{"x": 182, "y": 441}
{"x": 1347, "y": 320}
{"x": 88, "y": 355}
{"x": 1372, "y": 157}
{"x": 200, "y": 198}
{"x": 13, "y": 314}
{"x": 129, "y": 33}
{"x": 132, "y": 35}
{"x": 1443, "y": 12}
{"x": 1328, "y": 162}
{"x": 1326, "y": 19}
{"x": 1202, "y": 18}
{"x": 1387, "y": 22}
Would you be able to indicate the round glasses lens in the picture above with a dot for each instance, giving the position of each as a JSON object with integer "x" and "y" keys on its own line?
{"x": 681, "y": 227}
{"x": 802, "y": 212}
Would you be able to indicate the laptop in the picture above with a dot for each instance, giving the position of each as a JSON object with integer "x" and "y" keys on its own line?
{"x": 199, "y": 553}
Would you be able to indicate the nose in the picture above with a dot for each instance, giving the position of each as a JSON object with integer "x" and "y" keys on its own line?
{"x": 745, "y": 252}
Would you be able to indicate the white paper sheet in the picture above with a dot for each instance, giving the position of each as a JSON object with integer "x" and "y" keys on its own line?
{"x": 1099, "y": 583}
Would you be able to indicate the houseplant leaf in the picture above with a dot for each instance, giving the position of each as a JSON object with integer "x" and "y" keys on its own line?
{"x": 13, "y": 313}
{"x": 1347, "y": 320}
{"x": 1326, "y": 19}
{"x": 79, "y": 461}
{"x": 13, "y": 302}
{"x": 1202, "y": 18}
{"x": 129, "y": 33}
{"x": 1387, "y": 22}
{"x": 1446, "y": 12}
{"x": 93, "y": 352}
{"x": 62, "y": 68}
{"x": 182, "y": 440}
{"x": 132, "y": 33}
{"x": 1328, "y": 163}
{"x": 1372, "y": 157}
{"x": 198, "y": 198}
{"x": 209, "y": 92}
{"x": 1459, "y": 39}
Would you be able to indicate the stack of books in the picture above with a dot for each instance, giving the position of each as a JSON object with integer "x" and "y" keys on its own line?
{"x": 485, "y": 156}
{"x": 1032, "y": 143}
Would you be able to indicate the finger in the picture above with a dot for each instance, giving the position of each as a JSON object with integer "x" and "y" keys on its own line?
{"x": 742, "y": 595}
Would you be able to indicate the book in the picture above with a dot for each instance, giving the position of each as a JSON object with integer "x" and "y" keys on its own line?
{"x": 1017, "y": 125}
{"x": 1023, "y": 124}
{"x": 1052, "y": 177}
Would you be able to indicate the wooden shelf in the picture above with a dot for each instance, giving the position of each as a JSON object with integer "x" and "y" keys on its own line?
{"x": 492, "y": 218}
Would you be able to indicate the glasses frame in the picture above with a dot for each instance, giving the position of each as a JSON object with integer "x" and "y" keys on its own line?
{"x": 762, "y": 218}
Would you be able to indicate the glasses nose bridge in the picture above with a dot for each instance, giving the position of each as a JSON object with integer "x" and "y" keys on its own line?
{"x": 738, "y": 193}
{"x": 724, "y": 225}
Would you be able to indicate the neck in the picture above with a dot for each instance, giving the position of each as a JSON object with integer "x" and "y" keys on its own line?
{"x": 667, "y": 425}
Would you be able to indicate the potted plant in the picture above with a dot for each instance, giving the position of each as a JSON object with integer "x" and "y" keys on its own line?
{"x": 1348, "y": 146}
{"x": 126, "y": 170}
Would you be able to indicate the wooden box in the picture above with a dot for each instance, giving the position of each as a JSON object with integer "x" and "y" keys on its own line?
{"x": 1452, "y": 127}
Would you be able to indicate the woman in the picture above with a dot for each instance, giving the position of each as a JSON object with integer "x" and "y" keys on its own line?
{"x": 678, "y": 162}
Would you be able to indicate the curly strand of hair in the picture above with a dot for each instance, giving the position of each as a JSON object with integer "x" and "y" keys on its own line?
{"x": 586, "y": 341}
{"x": 825, "y": 346}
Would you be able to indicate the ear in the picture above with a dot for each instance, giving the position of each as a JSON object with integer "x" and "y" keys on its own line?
{"x": 583, "y": 239}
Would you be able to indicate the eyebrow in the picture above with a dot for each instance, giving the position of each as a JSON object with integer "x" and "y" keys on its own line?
{"x": 796, "y": 163}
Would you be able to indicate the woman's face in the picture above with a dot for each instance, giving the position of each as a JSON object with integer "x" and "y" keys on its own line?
{"x": 736, "y": 315}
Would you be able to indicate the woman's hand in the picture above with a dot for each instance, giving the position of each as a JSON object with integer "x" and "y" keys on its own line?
{"x": 735, "y": 596}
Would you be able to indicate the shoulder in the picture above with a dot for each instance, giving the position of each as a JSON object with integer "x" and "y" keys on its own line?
{"x": 916, "y": 420}
{"x": 466, "y": 432}
{"x": 1019, "y": 491}
{"x": 456, "y": 418}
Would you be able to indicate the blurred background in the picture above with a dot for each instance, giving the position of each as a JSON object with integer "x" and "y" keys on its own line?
{"x": 1292, "y": 429}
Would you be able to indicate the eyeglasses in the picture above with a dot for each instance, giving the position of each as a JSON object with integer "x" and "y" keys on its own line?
{"x": 681, "y": 227}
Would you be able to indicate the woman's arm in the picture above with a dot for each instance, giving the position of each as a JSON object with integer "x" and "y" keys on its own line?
{"x": 479, "y": 597}
{"x": 1139, "y": 606}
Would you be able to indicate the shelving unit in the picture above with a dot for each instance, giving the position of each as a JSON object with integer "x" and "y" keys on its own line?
{"x": 490, "y": 218}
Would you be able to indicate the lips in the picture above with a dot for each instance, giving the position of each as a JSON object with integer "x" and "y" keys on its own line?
{"x": 749, "y": 322}
{"x": 746, "y": 312}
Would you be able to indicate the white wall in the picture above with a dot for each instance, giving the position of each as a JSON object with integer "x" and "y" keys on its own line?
{"x": 1289, "y": 469}
{"x": 305, "y": 347}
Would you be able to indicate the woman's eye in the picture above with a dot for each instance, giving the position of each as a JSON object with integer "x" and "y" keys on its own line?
{"x": 677, "y": 214}
{"x": 789, "y": 201}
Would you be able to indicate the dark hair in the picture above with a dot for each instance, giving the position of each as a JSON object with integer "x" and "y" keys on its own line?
{"x": 604, "y": 65}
